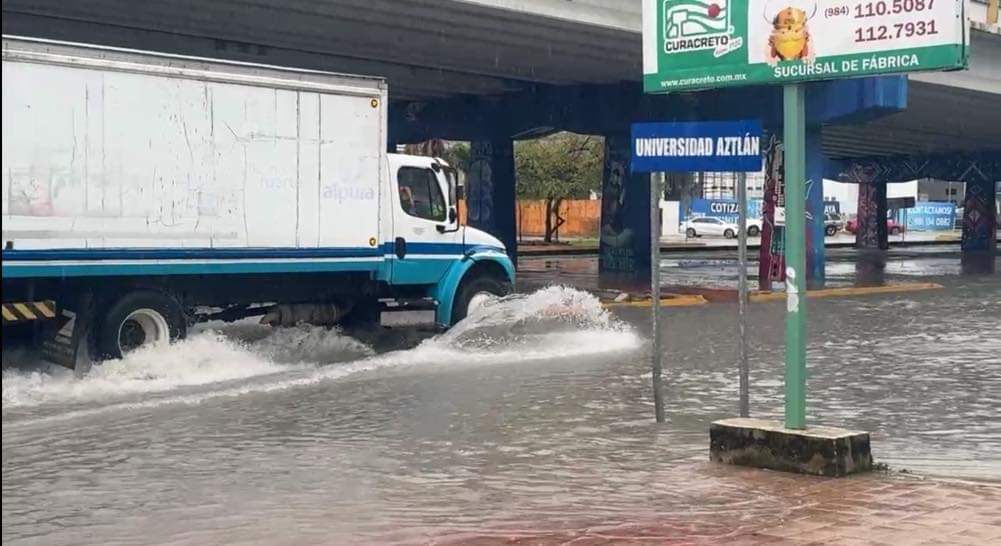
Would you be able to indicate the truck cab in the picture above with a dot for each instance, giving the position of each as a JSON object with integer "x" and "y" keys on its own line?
{"x": 456, "y": 265}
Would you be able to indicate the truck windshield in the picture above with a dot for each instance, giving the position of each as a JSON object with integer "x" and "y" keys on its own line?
{"x": 420, "y": 194}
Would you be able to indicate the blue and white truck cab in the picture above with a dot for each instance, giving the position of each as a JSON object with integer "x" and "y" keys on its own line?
{"x": 145, "y": 192}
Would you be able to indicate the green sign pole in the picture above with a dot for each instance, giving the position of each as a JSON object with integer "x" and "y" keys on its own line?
{"x": 794, "y": 142}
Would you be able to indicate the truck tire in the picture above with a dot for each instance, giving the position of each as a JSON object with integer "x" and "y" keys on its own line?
{"x": 471, "y": 292}
{"x": 137, "y": 319}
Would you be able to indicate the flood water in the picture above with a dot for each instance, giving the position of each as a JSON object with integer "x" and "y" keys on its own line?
{"x": 535, "y": 413}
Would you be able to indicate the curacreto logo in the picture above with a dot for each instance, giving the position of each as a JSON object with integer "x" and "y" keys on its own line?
{"x": 693, "y": 25}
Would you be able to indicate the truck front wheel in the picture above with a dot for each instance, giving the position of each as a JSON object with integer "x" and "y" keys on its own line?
{"x": 474, "y": 292}
{"x": 140, "y": 319}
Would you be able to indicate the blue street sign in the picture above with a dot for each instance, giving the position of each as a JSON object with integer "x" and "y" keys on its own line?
{"x": 707, "y": 146}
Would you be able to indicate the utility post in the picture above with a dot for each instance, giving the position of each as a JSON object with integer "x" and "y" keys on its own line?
{"x": 794, "y": 137}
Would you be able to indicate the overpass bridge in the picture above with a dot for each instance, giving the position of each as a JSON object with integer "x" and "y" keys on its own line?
{"x": 493, "y": 71}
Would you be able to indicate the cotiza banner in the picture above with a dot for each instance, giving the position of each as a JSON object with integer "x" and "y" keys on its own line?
{"x": 702, "y": 44}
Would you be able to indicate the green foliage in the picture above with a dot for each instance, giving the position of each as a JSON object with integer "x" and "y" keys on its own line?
{"x": 558, "y": 167}
{"x": 457, "y": 155}
{"x": 561, "y": 166}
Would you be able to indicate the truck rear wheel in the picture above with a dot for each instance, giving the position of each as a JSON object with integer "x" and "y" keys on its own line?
{"x": 474, "y": 292}
{"x": 140, "y": 319}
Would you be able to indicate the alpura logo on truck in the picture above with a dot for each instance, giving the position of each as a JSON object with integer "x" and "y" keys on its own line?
{"x": 693, "y": 25}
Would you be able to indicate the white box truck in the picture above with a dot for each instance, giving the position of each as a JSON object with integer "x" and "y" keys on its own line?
{"x": 145, "y": 192}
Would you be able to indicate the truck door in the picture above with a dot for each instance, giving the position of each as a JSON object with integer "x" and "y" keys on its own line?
{"x": 427, "y": 238}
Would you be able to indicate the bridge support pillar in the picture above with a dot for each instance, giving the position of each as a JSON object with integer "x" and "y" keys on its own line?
{"x": 816, "y": 262}
{"x": 624, "y": 248}
{"x": 771, "y": 254}
{"x": 871, "y": 238}
{"x": 871, "y": 234}
{"x": 490, "y": 191}
{"x": 980, "y": 225}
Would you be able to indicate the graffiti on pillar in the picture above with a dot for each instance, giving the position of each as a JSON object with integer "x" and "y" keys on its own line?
{"x": 979, "y": 216}
{"x": 480, "y": 186}
{"x": 977, "y": 170}
{"x": 953, "y": 166}
{"x": 871, "y": 177}
{"x": 871, "y": 219}
{"x": 771, "y": 263}
{"x": 617, "y": 252}
{"x": 624, "y": 248}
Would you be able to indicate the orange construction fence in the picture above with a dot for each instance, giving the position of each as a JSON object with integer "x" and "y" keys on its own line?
{"x": 582, "y": 217}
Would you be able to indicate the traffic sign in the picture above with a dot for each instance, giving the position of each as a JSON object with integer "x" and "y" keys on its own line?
{"x": 707, "y": 146}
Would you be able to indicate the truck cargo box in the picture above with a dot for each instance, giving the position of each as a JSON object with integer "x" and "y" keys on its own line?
{"x": 110, "y": 149}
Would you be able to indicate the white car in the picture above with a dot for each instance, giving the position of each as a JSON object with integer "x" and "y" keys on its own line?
{"x": 698, "y": 227}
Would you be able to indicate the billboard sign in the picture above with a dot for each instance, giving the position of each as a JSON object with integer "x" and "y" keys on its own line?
{"x": 705, "y": 44}
{"x": 931, "y": 216}
{"x": 727, "y": 210}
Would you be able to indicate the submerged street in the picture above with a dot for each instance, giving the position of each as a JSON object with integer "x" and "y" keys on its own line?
{"x": 531, "y": 421}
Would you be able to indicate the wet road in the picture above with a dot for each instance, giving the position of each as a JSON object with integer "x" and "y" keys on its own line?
{"x": 538, "y": 413}
{"x": 718, "y": 268}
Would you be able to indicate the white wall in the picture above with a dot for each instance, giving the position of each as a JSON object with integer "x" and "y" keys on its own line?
{"x": 847, "y": 193}
{"x": 670, "y": 213}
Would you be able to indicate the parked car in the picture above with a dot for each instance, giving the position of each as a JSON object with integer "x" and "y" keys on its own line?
{"x": 892, "y": 227}
{"x": 698, "y": 227}
{"x": 833, "y": 224}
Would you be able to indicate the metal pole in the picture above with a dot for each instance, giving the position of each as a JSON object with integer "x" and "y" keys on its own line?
{"x": 794, "y": 110}
{"x": 745, "y": 404}
{"x": 658, "y": 396}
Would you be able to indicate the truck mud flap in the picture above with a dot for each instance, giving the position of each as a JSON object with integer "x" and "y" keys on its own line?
{"x": 69, "y": 340}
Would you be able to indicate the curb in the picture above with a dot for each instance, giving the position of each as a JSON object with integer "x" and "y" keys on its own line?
{"x": 851, "y": 291}
{"x": 668, "y": 300}
{"x": 692, "y": 300}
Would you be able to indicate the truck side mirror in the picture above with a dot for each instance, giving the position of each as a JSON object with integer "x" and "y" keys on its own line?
{"x": 452, "y": 215}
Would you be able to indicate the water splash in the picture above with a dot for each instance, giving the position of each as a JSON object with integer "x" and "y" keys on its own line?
{"x": 553, "y": 322}
{"x": 202, "y": 359}
{"x": 233, "y": 360}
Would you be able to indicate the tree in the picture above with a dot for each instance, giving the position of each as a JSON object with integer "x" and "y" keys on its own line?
{"x": 457, "y": 155}
{"x": 558, "y": 167}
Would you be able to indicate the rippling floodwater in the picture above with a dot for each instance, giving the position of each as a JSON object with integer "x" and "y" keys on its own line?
{"x": 536, "y": 412}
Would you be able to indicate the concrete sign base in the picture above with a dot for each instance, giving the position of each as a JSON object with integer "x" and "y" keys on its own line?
{"x": 821, "y": 451}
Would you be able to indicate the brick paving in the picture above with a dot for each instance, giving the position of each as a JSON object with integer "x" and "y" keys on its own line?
{"x": 875, "y": 510}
